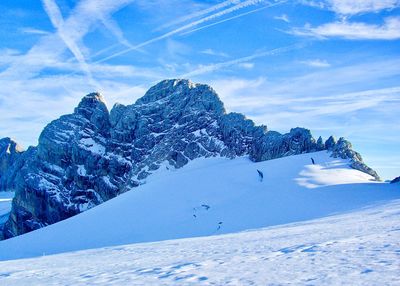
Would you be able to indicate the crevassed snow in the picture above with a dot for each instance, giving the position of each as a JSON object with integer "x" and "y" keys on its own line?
{"x": 359, "y": 248}
{"x": 167, "y": 207}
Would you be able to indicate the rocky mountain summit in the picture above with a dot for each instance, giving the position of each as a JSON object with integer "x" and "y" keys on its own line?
{"x": 93, "y": 155}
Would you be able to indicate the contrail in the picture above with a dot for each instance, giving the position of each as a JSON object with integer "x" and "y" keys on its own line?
{"x": 200, "y": 13}
{"x": 188, "y": 26}
{"x": 54, "y": 13}
{"x": 234, "y": 17}
{"x": 217, "y": 66}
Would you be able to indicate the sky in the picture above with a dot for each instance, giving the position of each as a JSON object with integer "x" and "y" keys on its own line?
{"x": 330, "y": 66}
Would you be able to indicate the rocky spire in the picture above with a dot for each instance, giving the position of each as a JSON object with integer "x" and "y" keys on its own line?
{"x": 330, "y": 143}
{"x": 93, "y": 108}
{"x": 185, "y": 95}
{"x": 9, "y": 153}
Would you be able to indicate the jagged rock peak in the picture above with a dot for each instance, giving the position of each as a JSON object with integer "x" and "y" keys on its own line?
{"x": 91, "y": 102}
{"x": 9, "y": 146}
{"x": 183, "y": 92}
{"x": 330, "y": 143}
{"x": 166, "y": 88}
{"x": 93, "y": 108}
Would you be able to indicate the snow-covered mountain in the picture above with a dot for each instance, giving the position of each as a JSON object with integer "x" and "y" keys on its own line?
{"x": 88, "y": 157}
{"x": 211, "y": 196}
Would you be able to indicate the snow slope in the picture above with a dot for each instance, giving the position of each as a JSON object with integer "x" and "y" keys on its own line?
{"x": 207, "y": 197}
{"x": 359, "y": 248}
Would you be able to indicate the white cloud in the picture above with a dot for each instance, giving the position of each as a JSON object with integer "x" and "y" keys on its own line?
{"x": 317, "y": 63}
{"x": 7, "y": 56}
{"x": 247, "y": 66}
{"x": 212, "y": 52}
{"x": 49, "y": 51}
{"x": 333, "y": 96}
{"x": 230, "y": 89}
{"x": 34, "y": 31}
{"x": 175, "y": 49}
{"x": 203, "y": 69}
{"x": 389, "y": 30}
{"x": 352, "y": 7}
{"x": 65, "y": 34}
{"x": 282, "y": 17}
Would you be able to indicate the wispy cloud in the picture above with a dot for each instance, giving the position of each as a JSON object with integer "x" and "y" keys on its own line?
{"x": 200, "y": 13}
{"x": 352, "y": 7}
{"x": 46, "y": 89}
{"x": 23, "y": 77}
{"x": 212, "y": 52}
{"x": 65, "y": 34}
{"x": 49, "y": 50}
{"x": 389, "y": 30}
{"x": 268, "y": 5}
{"x": 247, "y": 66}
{"x": 29, "y": 30}
{"x": 217, "y": 66}
{"x": 283, "y": 18}
{"x": 309, "y": 99}
{"x": 7, "y": 56}
{"x": 317, "y": 63}
{"x": 353, "y": 30}
{"x": 198, "y": 22}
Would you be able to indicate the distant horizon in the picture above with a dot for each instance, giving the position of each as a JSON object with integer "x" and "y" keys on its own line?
{"x": 331, "y": 66}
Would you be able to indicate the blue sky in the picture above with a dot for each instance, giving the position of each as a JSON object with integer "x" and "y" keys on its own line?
{"x": 331, "y": 66}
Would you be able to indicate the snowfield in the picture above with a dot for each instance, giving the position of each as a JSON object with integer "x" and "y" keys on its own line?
{"x": 359, "y": 248}
{"x": 353, "y": 236}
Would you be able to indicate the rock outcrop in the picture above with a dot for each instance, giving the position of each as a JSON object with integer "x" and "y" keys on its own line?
{"x": 90, "y": 156}
{"x": 10, "y": 152}
{"x": 395, "y": 180}
{"x": 343, "y": 149}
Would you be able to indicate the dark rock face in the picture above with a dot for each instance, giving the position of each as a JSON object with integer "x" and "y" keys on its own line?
{"x": 90, "y": 156}
{"x": 395, "y": 180}
{"x": 68, "y": 172}
{"x": 271, "y": 145}
{"x": 343, "y": 149}
{"x": 10, "y": 152}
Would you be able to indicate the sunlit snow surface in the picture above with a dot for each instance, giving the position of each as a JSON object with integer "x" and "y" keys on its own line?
{"x": 360, "y": 248}
{"x": 356, "y": 243}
